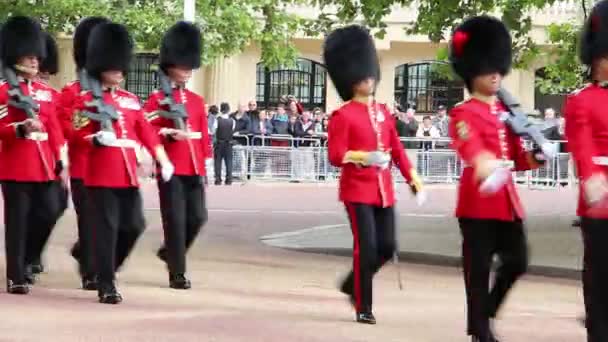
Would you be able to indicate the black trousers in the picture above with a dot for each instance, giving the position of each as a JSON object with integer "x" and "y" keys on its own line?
{"x": 30, "y": 210}
{"x": 595, "y": 278}
{"x": 84, "y": 248}
{"x": 37, "y": 242}
{"x": 481, "y": 240}
{"x": 373, "y": 231}
{"x": 118, "y": 221}
{"x": 222, "y": 151}
{"x": 182, "y": 205}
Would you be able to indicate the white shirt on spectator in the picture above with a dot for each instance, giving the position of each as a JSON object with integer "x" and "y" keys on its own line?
{"x": 433, "y": 132}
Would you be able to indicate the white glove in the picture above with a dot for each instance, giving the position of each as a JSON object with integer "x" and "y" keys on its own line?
{"x": 595, "y": 189}
{"x": 105, "y": 138}
{"x": 421, "y": 197}
{"x": 549, "y": 150}
{"x": 166, "y": 171}
{"x": 496, "y": 180}
{"x": 378, "y": 158}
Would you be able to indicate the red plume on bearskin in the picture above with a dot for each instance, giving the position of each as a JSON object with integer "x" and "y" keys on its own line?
{"x": 594, "y": 37}
{"x": 350, "y": 57}
{"x": 480, "y": 45}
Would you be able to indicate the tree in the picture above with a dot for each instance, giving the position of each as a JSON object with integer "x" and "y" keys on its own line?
{"x": 229, "y": 26}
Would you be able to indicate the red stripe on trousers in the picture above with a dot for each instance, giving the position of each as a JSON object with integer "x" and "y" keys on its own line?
{"x": 350, "y": 208}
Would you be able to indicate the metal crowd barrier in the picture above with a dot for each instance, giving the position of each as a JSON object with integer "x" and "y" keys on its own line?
{"x": 285, "y": 158}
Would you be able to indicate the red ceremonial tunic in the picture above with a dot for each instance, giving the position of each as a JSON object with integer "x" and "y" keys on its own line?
{"x": 77, "y": 148}
{"x": 188, "y": 156}
{"x": 115, "y": 166}
{"x": 475, "y": 126}
{"x": 33, "y": 158}
{"x": 352, "y": 127}
{"x": 587, "y": 133}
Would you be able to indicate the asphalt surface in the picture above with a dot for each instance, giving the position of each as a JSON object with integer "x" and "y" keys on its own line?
{"x": 247, "y": 290}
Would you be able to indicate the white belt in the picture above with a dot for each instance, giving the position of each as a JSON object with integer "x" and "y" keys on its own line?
{"x": 502, "y": 163}
{"x": 127, "y": 143}
{"x": 195, "y": 135}
{"x": 38, "y": 136}
{"x": 603, "y": 161}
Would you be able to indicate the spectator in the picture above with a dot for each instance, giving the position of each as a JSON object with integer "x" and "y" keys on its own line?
{"x": 305, "y": 128}
{"x": 400, "y": 124}
{"x": 325, "y": 124}
{"x": 291, "y": 126}
{"x": 252, "y": 106}
{"x": 411, "y": 127}
{"x": 550, "y": 125}
{"x": 212, "y": 120}
{"x": 280, "y": 122}
{"x": 441, "y": 121}
{"x": 428, "y": 131}
{"x": 243, "y": 124}
{"x": 260, "y": 126}
{"x": 222, "y": 149}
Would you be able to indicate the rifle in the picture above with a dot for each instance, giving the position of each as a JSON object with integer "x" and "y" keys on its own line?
{"x": 519, "y": 123}
{"x": 26, "y": 103}
{"x": 177, "y": 111}
{"x": 16, "y": 97}
{"x": 105, "y": 113}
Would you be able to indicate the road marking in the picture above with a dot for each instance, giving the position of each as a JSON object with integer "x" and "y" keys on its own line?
{"x": 301, "y": 212}
{"x": 302, "y": 231}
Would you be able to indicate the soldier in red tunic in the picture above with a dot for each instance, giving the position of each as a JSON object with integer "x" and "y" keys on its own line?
{"x": 110, "y": 175}
{"x": 587, "y": 133}
{"x": 489, "y": 211}
{"x": 82, "y": 250}
{"x": 48, "y": 67}
{"x": 363, "y": 142}
{"x": 30, "y": 145}
{"x": 182, "y": 199}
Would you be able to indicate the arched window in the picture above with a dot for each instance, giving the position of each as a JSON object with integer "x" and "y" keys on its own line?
{"x": 141, "y": 79}
{"x": 426, "y": 86}
{"x": 306, "y": 81}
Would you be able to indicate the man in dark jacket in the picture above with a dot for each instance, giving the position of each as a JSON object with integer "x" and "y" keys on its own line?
{"x": 222, "y": 149}
{"x": 243, "y": 124}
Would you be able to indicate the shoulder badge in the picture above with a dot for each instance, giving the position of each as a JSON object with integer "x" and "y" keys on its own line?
{"x": 462, "y": 129}
{"x": 79, "y": 120}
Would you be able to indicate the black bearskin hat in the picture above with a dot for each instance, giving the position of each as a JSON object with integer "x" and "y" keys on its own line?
{"x": 110, "y": 48}
{"x": 480, "y": 45}
{"x": 594, "y": 38}
{"x": 20, "y": 37}
{"x": 181, "y": 46}
{"x": 350, "y": 57}
{"x": 81, "y": 38}
{"x": 51, "y": 63}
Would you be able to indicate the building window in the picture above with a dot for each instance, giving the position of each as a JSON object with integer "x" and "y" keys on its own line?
{"x": 426, "y": 86}
{"x": 307, "y": 81}
{"x": 141, "y": 79}
{"x": 543, "y": 101}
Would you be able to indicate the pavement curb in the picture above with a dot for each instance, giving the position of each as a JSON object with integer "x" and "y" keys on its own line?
{"x": 445, "y": 260}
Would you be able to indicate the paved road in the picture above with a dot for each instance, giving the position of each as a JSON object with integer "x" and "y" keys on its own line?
{"x": 246, "y": 290}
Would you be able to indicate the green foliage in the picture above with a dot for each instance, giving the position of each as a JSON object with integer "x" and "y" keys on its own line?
{"x": 563, "y": 73}
{"x": 229, "y": 26}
